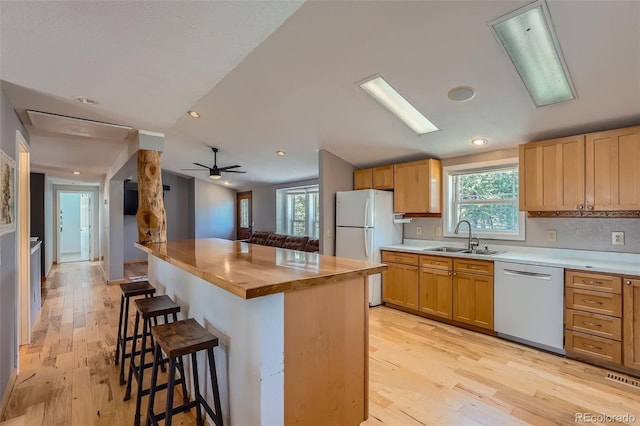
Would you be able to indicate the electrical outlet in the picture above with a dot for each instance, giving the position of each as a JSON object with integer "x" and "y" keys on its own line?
{"x": 418, "y": 230}
{"x": 617, "y": 238}
{"x": 552, "y": 235}
{"x": 439, "y": 231}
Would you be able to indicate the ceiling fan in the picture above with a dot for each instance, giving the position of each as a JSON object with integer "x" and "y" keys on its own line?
{"x": 215, "y": 171}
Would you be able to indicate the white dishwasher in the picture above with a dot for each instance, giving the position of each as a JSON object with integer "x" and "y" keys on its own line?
{"x": 529, "y": 304}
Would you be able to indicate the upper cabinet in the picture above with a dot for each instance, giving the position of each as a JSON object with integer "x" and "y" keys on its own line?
{"x": 588, "y": 173}
{"x": 363, "y": 179}
{"x": 613, "y": 170}
{"x": 375, "y": 178}
{"x": 417, "y": 187}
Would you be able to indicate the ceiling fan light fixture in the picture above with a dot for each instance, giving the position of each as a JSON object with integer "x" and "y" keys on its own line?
{"x": 215, "y": 176}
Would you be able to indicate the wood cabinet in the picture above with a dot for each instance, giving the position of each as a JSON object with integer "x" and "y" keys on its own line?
{"x": 631, "y": 322}
{"x": 595, "y": 172}
{"x": 551, "y": 174}
{"x": 383, "y": 177}
{"x": 436, "y": 286}
{"x": 473, "y": 292}
{"x": 363, "y": 179}
{"x": 400, "y": 280}
{"x": 593, "y": 312}
{"x": 417, "y": 187}
{"x": 612, "y": 170}
{"x": 374, "y": 178}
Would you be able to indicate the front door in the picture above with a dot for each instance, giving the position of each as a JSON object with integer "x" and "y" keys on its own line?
{"x": 244, "y": 221}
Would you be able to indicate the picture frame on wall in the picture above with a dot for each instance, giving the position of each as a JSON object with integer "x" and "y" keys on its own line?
{"x": 7, "y": 194}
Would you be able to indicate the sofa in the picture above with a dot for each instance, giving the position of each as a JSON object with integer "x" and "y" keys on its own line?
{"x": 311, "y": 245}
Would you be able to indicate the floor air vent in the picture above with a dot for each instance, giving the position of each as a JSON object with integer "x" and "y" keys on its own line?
{"x": 623, "y": 380}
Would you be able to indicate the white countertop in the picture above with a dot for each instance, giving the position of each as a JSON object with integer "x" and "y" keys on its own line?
{"x": 585, "y": 260}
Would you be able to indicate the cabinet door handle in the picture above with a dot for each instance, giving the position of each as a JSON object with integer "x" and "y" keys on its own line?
{"x": 593, "y": 324}
{"x": 586, "y": 345}
{"x": 592, "y": 302}
{"x": 449, "y": 273}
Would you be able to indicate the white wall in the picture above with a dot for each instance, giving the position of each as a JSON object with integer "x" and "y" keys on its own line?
{"x": 215, "y": 211}
{"x": 335, "y": 175}
{"x": 49, "y": 225}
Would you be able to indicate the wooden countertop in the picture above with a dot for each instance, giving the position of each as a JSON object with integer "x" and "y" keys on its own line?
{"x": 251, "y": 270}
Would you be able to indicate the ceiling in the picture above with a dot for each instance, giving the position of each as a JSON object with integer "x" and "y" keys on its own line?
{"x": 269, "y": 76}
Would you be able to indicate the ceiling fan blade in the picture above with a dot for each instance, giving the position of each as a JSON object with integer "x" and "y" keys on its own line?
{"x": 197, "y": 170}
{"x": 222, "y": 169}
{"x": 234, "y": 171}
{"x": 202, "y": 165}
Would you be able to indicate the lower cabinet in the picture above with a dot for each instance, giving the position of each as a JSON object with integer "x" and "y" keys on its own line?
{"x": 400, "y": 280}
{"x": 460, "y": 290}
{"x": 631, "y": 322}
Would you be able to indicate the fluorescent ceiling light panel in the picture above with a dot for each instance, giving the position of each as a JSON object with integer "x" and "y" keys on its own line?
{"x": 382, "y": 91}
{"x": 528, "y": 38}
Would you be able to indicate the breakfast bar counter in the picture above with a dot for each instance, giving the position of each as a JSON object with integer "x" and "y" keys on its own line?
{"x": 293, "y": 327}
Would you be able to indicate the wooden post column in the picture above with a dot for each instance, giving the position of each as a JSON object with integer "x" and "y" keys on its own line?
{"x": 151, "y": 216}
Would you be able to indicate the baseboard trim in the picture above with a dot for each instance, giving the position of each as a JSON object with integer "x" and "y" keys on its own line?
{"x": 132, "y": 261}
{"x": 7, "y": 391}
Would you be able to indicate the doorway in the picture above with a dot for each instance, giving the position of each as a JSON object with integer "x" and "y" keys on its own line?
{"x": 244, "y": 220}
{"x": 74, "y": 226}
{"x": 23, "y": 247}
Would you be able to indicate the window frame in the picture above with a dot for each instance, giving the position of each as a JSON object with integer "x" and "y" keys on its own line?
{"x": 448, "y": 220}
{"x": 285, "y": 220}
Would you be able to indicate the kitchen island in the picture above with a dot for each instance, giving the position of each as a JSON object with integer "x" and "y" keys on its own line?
{"x": 293, "y": 327}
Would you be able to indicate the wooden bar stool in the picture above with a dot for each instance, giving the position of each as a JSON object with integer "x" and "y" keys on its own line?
{"x": 150, "y": 309}
{"x": 129, "y": 290}
{"x": 178, "y": 339}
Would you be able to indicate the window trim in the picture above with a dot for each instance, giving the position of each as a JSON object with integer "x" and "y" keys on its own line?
{"x": 448, "y": 194}
{"x": 284, "y": 209}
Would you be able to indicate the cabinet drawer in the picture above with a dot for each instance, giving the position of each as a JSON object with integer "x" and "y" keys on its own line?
{"x": 597, "y": 347}
{"x": 590, "y": 281}
{"x": 473, "y": 266}
{"x": 598, "y": 325}
{"x": 593, "y": 301}
{"x": 436, "y": 262}
{"x": 397, "y": 257}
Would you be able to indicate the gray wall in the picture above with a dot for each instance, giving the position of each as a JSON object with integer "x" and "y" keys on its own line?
{"x": 263, "y": 203}
{"x": 335, "y": 174}
{"x": 176, "y": 202}
{"x": 9, "y": 123}
{"x": 48, "y": 226}
{"x": 580, "y": 233}
{"x": 215, "y": 211}
{"x": 115, "y": 262}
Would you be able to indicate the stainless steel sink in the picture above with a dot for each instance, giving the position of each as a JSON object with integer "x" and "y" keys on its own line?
{"x": 483, "y": 252}
{"x": 448, "y": 249}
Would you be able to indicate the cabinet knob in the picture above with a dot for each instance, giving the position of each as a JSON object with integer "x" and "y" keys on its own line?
{"x": 628, "y": 282}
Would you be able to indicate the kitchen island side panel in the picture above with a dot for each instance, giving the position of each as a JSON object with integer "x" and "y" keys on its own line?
{"x": 249, "y": 358}
{"x": 327, "y": 354}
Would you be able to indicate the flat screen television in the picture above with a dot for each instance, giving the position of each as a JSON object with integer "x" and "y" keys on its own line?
{"x": 131, "y": 197}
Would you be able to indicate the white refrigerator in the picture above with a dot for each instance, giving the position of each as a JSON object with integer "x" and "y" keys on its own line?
{"x": 364, "y": 223}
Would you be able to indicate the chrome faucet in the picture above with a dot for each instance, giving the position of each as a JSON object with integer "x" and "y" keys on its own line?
{"x": 472, "y": 242}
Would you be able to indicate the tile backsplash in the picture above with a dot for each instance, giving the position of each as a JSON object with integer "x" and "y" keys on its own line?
{"x": 572, "y": 233}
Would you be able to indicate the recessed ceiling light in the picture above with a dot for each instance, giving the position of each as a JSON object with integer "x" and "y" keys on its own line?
{"x": 281, "y": 153}
{"x": 194, "y": 114}
{"x": 479, "y": 141}
{"x": 380, "y": 90}
{"x": 528, "y": 38}
{"x": 85, "y": 100}
{"x": 75, "y": 172}
{"x": 461, "y": 93}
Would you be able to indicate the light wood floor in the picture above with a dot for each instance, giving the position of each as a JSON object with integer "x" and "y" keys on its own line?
{"x": 421, "y": 372}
